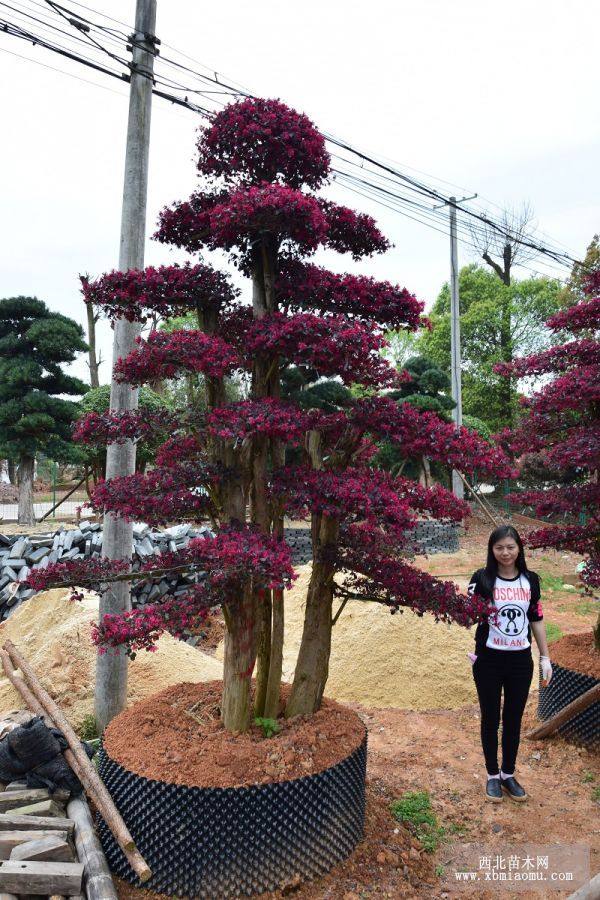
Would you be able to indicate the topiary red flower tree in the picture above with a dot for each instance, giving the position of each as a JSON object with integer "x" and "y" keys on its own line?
{"x": 562, "y": 425}
{"x": 261, "y": 165}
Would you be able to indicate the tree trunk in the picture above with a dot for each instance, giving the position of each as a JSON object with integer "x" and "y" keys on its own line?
{"x": 264, "y": 612}
{"x": 240, "y": 616}
{"x": 238, "y": 662}
{"x": 278, "y": 619}
{"x": 265, "y": 376}
{"x": 506, "y": 348}
{"x": 312, "y": 667}
{"x": 597, "y": 626}
{"x": 11, "y": 468}
{"x": 94, "y": 362}
{"x": 425, "y": 472}
{"x": 506, "y": 352}
{"x": 25, "y": 482}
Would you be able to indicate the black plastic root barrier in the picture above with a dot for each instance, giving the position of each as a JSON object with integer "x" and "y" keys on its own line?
{"x": 227, "y": 842}
{"x": 565, "y": 686}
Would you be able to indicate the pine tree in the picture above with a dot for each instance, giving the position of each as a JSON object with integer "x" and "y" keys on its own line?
{"x": 34, "y": 343}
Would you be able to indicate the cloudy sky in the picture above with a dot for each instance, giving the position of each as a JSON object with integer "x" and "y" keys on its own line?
{"x": 498, "y": 99}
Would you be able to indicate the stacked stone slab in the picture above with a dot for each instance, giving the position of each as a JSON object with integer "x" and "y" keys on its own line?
{"x": 21, "y": 553}
{"x": 428, "y": 536}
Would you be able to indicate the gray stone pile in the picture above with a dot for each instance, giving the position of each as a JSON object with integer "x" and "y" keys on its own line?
{"x": 21, "y": 553}
{"x": 428, "y": 536}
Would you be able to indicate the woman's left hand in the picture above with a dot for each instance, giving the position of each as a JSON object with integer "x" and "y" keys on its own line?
{"x": 546, "y": 669}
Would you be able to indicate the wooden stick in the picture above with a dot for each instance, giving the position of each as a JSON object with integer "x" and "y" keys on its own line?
{"x": 62, "y": 499}
{"x": 589, "y": 891}
{"x": 77, "y": 759}
{"x": 21, "y": 688}
{"x": 478, "y": 498}
{"x": 97, "y": 879}
{"x": 565, "y": 714}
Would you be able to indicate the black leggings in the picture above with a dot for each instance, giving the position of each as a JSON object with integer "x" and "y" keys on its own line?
{"x": 493, "y": 671}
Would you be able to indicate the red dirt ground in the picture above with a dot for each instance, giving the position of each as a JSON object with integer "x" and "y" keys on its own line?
{"x": 177, "y": 736}
{"x": 577, "y": 651}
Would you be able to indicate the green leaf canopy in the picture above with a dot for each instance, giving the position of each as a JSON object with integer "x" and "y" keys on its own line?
{"x": 34, "y": 343}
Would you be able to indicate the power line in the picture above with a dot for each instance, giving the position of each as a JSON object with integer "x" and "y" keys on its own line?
{"x": 485, "y": 219}
{"x": 464, "y": 230}
{"x": 61, "y": 71}
{"x": 480, "y": 220}
{"x": 421, "y": 218}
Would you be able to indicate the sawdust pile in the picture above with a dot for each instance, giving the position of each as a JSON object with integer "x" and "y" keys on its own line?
{"x": 54, "y": 634}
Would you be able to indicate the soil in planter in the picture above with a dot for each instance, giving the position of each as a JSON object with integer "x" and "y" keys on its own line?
{"x": 577, "y": 652}
{"x": 177, "y": 736}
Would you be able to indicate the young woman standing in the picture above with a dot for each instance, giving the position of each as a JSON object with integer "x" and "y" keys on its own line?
{"x": 503, "y": 660}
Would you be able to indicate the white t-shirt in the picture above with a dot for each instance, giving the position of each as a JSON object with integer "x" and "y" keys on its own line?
{"x": 512, "y": 597}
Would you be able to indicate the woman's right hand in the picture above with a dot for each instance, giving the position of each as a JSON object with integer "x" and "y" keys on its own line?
{"x": 546, "y": 669}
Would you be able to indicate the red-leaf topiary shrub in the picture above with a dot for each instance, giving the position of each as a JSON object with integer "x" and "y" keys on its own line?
{"x": 228, "y": 466}
{"x": 561, "y": 423}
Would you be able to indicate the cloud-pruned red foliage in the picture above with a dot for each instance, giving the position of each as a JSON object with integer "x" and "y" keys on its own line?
{"x": 304, "y": 286}
{"x": 261, "y": 163}
{"x": 561, "y": 423}
{"x": 257, "y": 140}
{"x": 164, "y": 290}
{"x": 164, "y": 355}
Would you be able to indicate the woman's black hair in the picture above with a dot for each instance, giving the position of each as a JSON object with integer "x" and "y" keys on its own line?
{"x": 490, "y": 573}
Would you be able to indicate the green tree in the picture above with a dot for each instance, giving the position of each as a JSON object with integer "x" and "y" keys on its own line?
{"x": 428, "y": 389}
{"x": 34, "y": 417}
{"x": 189, "y": 389}
{"x": 98, "y": 400}
{"x": 303, "y": 386}
{"x": 573, "y": 291}
{"x": 498, "y": 322}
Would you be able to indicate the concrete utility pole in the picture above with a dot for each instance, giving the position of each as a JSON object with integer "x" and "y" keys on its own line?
{"x": 111, "y": 668}
{"x": 458, "y": 488}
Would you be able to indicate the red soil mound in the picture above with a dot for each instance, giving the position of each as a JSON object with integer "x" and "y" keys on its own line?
{"x": 577, "y": 652}
{"x": 176, "y": 736}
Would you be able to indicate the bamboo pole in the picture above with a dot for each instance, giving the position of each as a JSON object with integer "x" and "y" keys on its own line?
{"x": 565, "y": 714}
{"x": 77, "y": 759}
{"x": 96, "y": 874}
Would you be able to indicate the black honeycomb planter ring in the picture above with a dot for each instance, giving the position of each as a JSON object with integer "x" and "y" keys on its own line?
{"x": 226, "y": 842}
{"x": 565, "y": 686}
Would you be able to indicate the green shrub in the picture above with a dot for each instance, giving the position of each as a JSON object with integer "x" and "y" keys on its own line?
{"x": 550, "y": 582}
{"x": 269, "y": 726}
{"x": 88, "y": 730}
